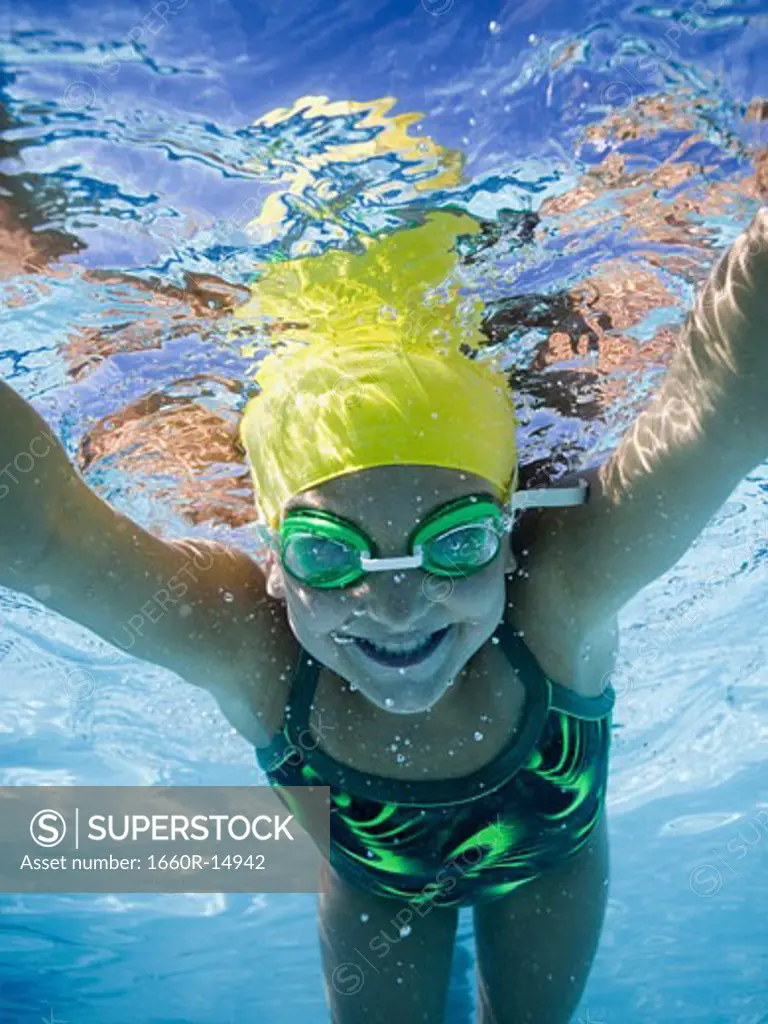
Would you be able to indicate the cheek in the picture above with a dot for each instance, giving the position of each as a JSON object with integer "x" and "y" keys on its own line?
{"x": 478, "y": 596}
{"x": 320, "y": 611}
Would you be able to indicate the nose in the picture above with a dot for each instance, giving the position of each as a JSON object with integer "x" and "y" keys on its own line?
{"x": 395, "y": 600}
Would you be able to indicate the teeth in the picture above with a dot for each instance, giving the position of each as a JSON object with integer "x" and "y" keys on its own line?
{"x": 390, "y": 647}
{"x": 339, "y": 638}
{"x": 399, "y": 648}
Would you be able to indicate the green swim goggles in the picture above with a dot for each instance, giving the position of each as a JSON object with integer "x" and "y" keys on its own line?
{"x": 323, "y": 550}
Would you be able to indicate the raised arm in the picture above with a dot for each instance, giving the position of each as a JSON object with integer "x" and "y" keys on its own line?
{"x": 682, "y": 457}
{"x": 195, "y": 607}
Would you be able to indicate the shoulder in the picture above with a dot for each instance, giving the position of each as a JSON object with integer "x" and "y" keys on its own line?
{"x": 542, "y": 602}
{"x": 544, "y": 543}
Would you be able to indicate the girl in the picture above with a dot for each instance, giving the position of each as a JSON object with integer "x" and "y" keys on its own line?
{"x": 450, "y": 687}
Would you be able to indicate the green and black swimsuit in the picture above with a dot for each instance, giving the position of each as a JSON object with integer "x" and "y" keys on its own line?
{"x": 460, "y": 841}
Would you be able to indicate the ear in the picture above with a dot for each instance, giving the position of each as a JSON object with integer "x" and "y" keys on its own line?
{"x": 510, "y": 562}
{"x": 275, "y": 577}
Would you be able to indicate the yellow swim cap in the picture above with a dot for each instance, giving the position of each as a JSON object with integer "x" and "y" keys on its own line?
{"x": 379, "y": 377}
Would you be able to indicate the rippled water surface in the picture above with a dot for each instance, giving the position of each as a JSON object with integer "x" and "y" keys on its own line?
{"x": 154, "y": 157}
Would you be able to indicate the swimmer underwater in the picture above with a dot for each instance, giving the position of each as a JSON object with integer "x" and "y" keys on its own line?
{"x": 449, "y": 658}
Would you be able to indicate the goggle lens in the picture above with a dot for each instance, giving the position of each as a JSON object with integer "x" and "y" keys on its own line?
{"x": 464, "y": 550}
{"x": 319, "y": 561}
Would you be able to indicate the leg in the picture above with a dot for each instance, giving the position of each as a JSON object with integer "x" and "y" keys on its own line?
{"x": 374, "y": 974}
{"x": 535, "y": 947}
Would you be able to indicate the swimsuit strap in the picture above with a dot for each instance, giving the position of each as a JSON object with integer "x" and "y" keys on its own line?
{"x": 297, "y": 710}
{"x": 303, "y": 687}
{"x": 591, "y": 709}
{"x": 561, "y": 698}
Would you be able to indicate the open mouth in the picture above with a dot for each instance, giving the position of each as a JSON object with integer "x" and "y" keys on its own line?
{"x": 401, "y": 655}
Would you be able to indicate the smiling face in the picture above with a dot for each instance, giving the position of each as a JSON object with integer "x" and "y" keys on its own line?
{"x": 447, "y": 619}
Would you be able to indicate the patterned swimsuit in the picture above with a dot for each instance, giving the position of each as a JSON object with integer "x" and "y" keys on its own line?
{"x": 470, "y": 839}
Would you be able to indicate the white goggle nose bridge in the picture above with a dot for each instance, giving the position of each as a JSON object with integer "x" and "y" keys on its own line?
{"x": 543, "y": 497}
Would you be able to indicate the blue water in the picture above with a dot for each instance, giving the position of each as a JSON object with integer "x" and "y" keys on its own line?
{"x": 159, "y": 143}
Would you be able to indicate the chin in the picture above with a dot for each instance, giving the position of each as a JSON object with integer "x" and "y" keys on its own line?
{"x": 410, "y": 704}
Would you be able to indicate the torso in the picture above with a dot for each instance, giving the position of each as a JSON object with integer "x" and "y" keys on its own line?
{"x": 458, "y": 828}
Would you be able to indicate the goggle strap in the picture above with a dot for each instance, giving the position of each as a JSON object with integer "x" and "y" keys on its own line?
{"x": 551, "y": 497}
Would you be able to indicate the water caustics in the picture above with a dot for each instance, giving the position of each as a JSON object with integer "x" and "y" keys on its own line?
{"x": 606, "y": 165}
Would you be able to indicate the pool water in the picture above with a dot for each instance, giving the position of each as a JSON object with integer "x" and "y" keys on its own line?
{"x": 153, "y": 157}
